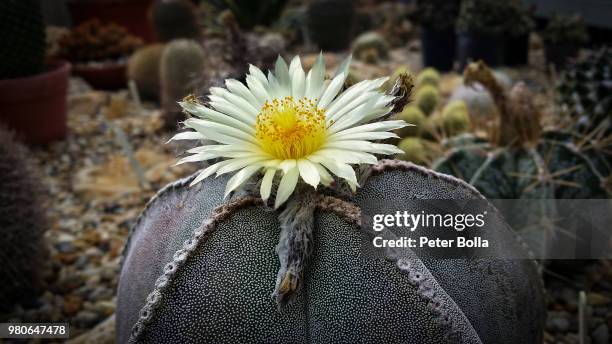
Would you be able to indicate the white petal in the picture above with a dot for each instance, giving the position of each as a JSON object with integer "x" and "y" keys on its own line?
{"x": 365, "y": 146}
{"x": 240, "y": 178}
{"x": 208, "y": 172}
{"x": 266, "y": 184}
{"x": 195, "y": 158}
{"x": 238, "y": 163}
{"x": 286, "y": 186}
{"x": 239, "y": 102}
{"x": 344, "y": 66}
{"x": 213, "y": 130}
{"x": 242, "y": 91}
{"x": 377, "y": 126}
{"x": 286, "y": 165}
{"x": 223, "y": 106}
{"x": 297, "y": 78}
{"x": 208, "y": 113}
{"x": 258, "y": 74}
{"x": 331, "y": 91}
{"x": 373, "y": 135}
{"x": 309, "y": 172}
{"x": 187, "y": 135}
{"x": 281, "y": 71}
{"x": 340, "y": 169}
{"x": 348, "y": 156}
{"x": 326, "y": 178}
{"x": 354, "y": 96}
{"x": 258, "y": 89}
{"x": 314, "y": 80}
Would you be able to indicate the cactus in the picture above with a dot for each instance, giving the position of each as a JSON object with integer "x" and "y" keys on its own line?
{"x": 323, "y": 17}
{"x": 393, "y": 77}
{"x": 414, "y": 150}
{"x": 428, "y": 76}
{"x": 412, "y": 115}
{"x": 22, "y": 225}
{"x": 198, "y": 268}
{"x": 427, "y": 98}
{"x": 370, "y": 47}
{"x": 481, "y": 106}
{"x": 455, "y": 118}
{"x": 93, "y": 41}
{"x": 22, "y": 40}
{"x": 144, "y": 68}
{"x": 252, "y": 13}
{"x": 182, "y": 62}
{"x": 174, "y": 19}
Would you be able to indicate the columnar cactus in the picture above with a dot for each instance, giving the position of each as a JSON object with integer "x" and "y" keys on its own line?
{"x": 174, "y": 19}
{"x": 22, "y": 225}
{"x": 22, "y": 40}
{"x": 182, "y": 62}
{"x": 198, "y": 268}
{"x": 144, "y": 69}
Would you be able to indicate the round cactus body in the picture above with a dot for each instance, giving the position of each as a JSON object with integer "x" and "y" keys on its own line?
{"x": 427, "y": 98}
{"x": 414, "y": 150}
{"x": 198, "y": 268}
{"x": 143, "y": 68}
{"x": 429, "y": 76}
{"x": 478, "y": 100}
{"x": 411, "y": 115}
{"x": 370, "y": 45}
{"x": 455, "y": 118}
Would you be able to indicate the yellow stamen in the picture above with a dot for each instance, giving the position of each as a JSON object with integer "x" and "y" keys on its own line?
{"x": 288, "y": 129}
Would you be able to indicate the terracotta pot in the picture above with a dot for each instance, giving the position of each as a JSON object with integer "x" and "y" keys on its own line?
{"x": 35, "y": 106}
{"x": 104, "y": 76}
{"x": 130, "y": 14}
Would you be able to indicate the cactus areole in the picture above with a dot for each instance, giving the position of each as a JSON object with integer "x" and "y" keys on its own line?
{"x": 268, "y": 256}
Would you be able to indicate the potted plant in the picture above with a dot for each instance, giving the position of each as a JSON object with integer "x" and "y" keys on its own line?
{"x": 437, "y": 19}
{"x": 99, "y": 52}
{"x": 131, "y": 14}
{"x": 480, "y": 26}
{"x": 563, "y": 37}
{"x": 519, "y": 23}
{"x": 33, "y": 94}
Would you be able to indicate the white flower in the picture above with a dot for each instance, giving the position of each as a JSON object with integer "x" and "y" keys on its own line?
{"x": 291, "y": 123}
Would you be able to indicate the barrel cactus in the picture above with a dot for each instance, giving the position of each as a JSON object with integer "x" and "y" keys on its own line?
{"x": 174, "y": 19}
{"x": 414, "y": 150}
{"x": 427, "y": 98}
{"x": 23, "y": 224}
{"x": 182, "y": 63}
{"x": 428, "y": 76}
{"x": 22, "y": 40}
{"x": 143, "y": 68}
{"x": 370, "y": 47}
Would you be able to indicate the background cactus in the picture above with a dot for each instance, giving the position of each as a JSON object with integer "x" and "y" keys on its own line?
{"x": 412, "y": 115}
{"x": 323, "y": 17}
{"x": 22, "y": 39}
{"x": 414, "y": 150}
{"x": 455, "y": 118}
{"x": 428, "y": 76}
{"x": 427, "y": 98}
{"x": 144, "y": 68}
{"x": 22, "y": 225}
{"x": 200, "y": 289}
{"x": 182, "y": 63}
{"x": 370, "y": 47}
{"x": 252, "y": 13}
{"x": 174, "y": 19}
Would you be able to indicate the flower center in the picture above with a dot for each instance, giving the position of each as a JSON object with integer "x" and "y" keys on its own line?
{"x": 289, "y": 129}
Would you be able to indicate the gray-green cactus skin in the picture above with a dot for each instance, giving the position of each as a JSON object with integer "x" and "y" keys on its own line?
{"x": 200, "y": 269}
{"x": 554, "y": 168}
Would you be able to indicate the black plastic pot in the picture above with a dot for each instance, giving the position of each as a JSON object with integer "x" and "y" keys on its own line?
{"x": 330, "y": 23}
{"x": 516, "y": 51}
{"x": 472, "y": 46}
{"x": 438, "y": 48}
{"x": 559, "y": 54}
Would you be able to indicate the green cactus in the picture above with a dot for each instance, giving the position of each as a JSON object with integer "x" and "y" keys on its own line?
{"x": 323, "y": 18}
{"x": 22, "y": 225}
{"x": 414, "y": 150}
{"x": 174, "y": 19}
{"x": 198, "y": 268}
{"x": 22, "y": 39}
{"x": 427, "y": 98}
{"x": 428, "y": 76}
{"x": 455, "y": 118}
{"x": 182, "y": 63}
{"x": 411, "y": 115}
{"x": 370, "y": 47}
{"x": 144, "y": 69}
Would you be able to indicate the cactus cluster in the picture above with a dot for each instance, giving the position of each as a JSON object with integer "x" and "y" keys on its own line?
{"x": 22, "y": 39}
{"x": 182, "y": 63}
{"x": 23, "y": 224}
{"x": 428, "y": 76}
{"x": 174, "y": 19}
{"x": 427, "y": 98}
{"x": 455, "y": 118}
{"x": 94, "y": 41}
